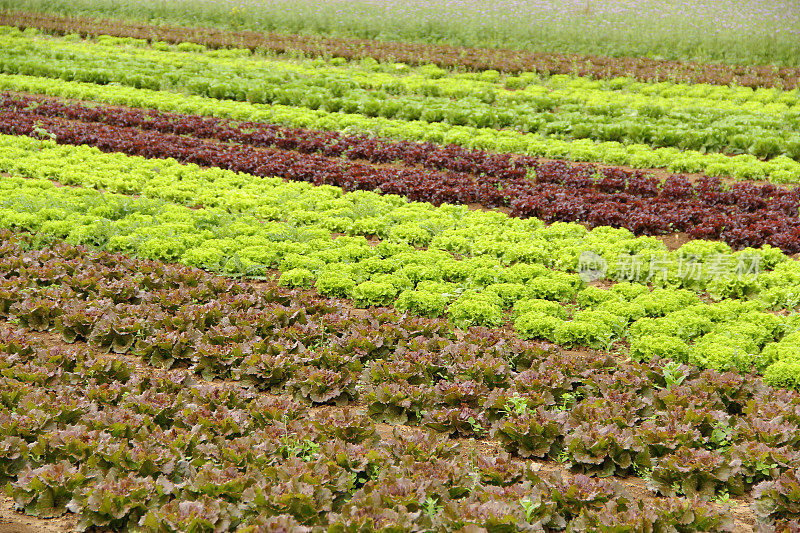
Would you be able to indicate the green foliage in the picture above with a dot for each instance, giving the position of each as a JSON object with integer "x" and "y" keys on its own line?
{"x": 579, "y": 333}
{"x": 784, "y": 374}
{"x": 592, "y": 296}
{"x": 723, "y": 352}
{"x": 588, "y": 32}
{"x": 524, "y": 272}
{"x": 551, "y": 288}
{"x": 684, "y": 324}
{"x": 297, "y": 277}
{"x": 509, "y": 293}
{"x": 629, "y": 290}
{"x": 536, "y": 325}
{"x": 169, "y": 250}
{"x": 409, "y": 233}
{"x": 555, "y": 309}
{"x": 476, "y": 309}
{"x": 785, "y": 350}
{"x": 374, "y": 293}
{"x": 422, "y": 303}
{"x": 674, "y": 374}
{"x": 659, "y": 302}
{"x": 204, "y": 257}
{"x": 418, "y": 273}
{"x": 335, "y": 283}
{"x": 647, "y": 347}
{"x": 630, "y": 312}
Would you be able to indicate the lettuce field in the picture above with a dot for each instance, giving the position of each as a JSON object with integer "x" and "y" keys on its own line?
{"x": 404, "y": 274}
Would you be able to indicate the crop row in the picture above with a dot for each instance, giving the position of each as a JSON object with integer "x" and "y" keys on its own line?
{"x": 780, "y": 169}
{"x": 477, "y": 290}
{"x": 691, "y": 433}
{"x": 136, "y": 451}
{"x": 532, "y": 111}
{"x": 427, "y": 155}
{"x": 329, "y": 143}
{"x": 447, "y": 228}
{"x": 478, "y": 59}
{"x": 745, "y": 216}
{"x": 599, "y": 97}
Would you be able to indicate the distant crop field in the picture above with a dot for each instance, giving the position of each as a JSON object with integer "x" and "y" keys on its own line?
{"x": 747, "y": 32}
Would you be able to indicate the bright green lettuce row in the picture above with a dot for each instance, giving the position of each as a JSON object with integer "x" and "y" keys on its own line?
{"x": 724, "y": 336}
{"x": 598, "y": 97}
{"x": 528, "y": 247}
{"x": 780, "y": 169}
{"x": 477, "y": 289}
{"x": 671, "y": 95}
{"x": 729, "y": 334}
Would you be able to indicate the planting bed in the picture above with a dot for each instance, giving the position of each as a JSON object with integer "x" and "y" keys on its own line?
{"x": 744, "y": 215}
{"x": 536, "y": 400}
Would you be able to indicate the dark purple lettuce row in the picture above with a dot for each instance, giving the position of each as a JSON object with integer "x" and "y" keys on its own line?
{"x": 743, "y": 215}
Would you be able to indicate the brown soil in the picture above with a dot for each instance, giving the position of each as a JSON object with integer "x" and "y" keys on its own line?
{"x": 673, "y": 241}
{"x": 12, "y": 521}
{"x": 602, "y": 283}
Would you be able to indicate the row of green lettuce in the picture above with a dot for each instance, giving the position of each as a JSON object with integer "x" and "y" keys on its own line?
{"x": 698, "y": 123}
{"x": 534, "y": 112}
{"x": 487, "y": 287}
{"x": 780, "y": 169}
{"x": 399, "y": 78}
{"x": 453, "y": 229}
